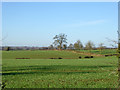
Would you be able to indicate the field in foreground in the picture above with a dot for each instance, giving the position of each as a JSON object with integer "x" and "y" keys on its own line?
{"x": 60, "y": 73}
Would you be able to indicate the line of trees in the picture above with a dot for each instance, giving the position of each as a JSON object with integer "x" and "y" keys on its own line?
{"x": 60, "y": 42}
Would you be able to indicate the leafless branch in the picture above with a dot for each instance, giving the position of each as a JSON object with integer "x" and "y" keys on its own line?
{"x": 110, "y": 40}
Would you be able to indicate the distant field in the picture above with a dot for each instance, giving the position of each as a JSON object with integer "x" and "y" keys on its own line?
{"x": 98, "y": 72}
{"x": 103, "y": 52}
{"x": 40, "y": 54}
{"x": 46, "y": 54}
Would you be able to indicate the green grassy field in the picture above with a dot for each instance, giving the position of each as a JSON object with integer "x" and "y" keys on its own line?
{"x": 103, "y": 52}
{"x": 40, "y": 54}
{"x": 41, "y": 72}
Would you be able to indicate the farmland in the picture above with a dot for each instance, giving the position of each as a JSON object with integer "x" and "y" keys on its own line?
{"x": 39, "y": 71}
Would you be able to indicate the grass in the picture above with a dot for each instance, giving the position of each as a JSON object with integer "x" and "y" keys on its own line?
{"x": 58, "y": 73}
{"x": 40, "y": 54}
{"x": 103, "y": 52}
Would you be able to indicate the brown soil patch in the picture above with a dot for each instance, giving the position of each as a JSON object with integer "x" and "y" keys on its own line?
{"x": 83, "y": 53}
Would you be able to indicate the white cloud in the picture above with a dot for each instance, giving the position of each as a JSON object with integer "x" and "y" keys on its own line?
{"x": 86, "y": 23}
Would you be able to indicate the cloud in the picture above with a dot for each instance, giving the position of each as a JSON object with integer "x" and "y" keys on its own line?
{"x": 86, "y": 23}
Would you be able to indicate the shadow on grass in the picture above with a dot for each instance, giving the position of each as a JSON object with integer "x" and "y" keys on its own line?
{"x": 53, "y": 69}
{"x": 47, "y": 73}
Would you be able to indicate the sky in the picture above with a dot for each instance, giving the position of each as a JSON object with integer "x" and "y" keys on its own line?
{"x": 36, "y": 23}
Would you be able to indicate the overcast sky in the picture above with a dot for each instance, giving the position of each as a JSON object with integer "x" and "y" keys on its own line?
{"x": 36, "y": 23}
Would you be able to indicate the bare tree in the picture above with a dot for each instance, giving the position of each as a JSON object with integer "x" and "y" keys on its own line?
{"x": 89, "y": 45}
{"x": 60, "y": 40}
{"x": 78, "y": 45}
{"x": 114, "y": 43}
{"x": 101, "y": 47}
{"x": 71, "y": 46}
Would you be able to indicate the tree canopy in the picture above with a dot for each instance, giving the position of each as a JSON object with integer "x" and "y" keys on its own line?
{"x": 59, "y": 40}
{"x": 78, "y": 45}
